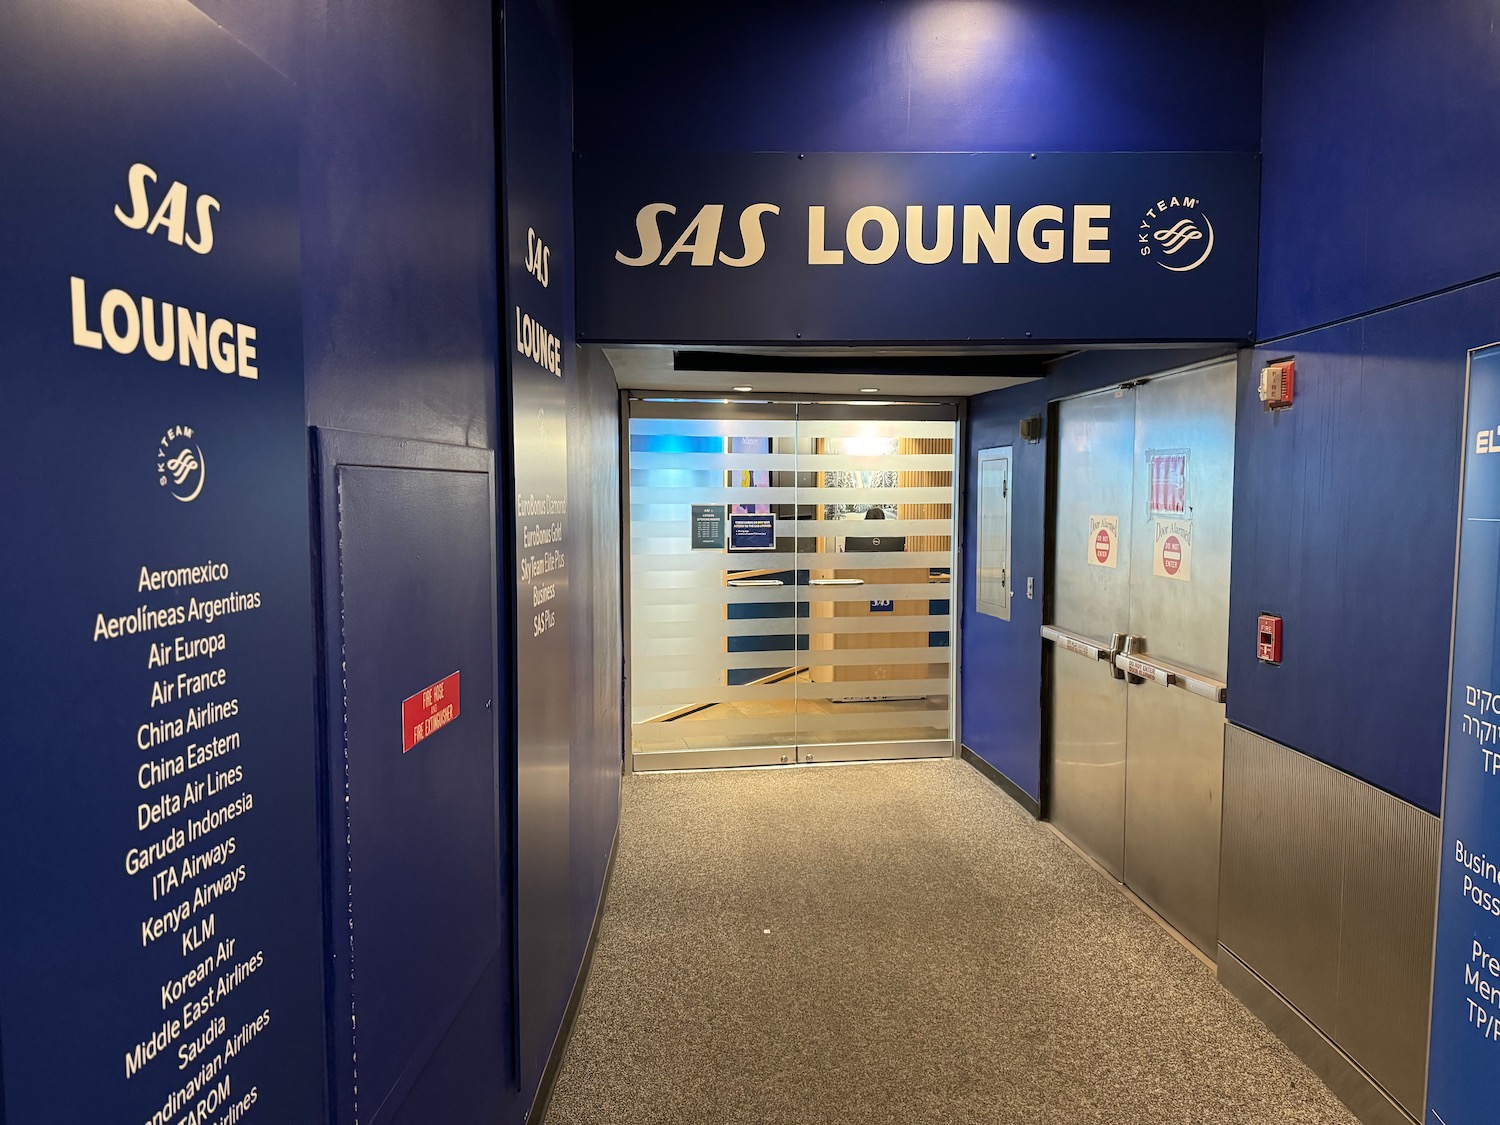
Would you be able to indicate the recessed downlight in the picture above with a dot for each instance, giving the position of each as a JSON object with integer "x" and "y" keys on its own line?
{"x": 743, "y": 389}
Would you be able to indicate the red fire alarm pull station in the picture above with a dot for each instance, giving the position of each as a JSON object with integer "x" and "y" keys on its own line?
{"x": 1268, "y": 633}
{"x": 1277, "y": 381}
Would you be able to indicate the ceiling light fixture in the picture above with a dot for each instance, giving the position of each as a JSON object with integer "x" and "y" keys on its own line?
{"x": 868, "y": 390}
{"x": 744, "y": 388}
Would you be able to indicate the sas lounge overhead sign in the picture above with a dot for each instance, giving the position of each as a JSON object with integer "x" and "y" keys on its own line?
{"x": 917, "y": 247}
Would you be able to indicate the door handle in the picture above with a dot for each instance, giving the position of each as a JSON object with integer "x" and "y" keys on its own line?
{"x": 1138, "y": 668}
{"x": 1089, "y": 649}
{"x": 1117, "y": 643}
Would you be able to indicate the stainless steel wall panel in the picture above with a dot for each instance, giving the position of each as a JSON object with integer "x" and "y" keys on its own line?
{"x": 1328, "y": 893}
{"x": 1280, "y": 881}
{"x": 1350, "y": 1084}
{"x": 1390, "y": 865}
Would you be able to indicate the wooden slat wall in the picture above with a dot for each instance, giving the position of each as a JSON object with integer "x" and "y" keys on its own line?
{"x": 925, "y": 479}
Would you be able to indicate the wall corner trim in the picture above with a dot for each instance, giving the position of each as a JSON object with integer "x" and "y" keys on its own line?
{"x": 1005, "y": 784}
{"x": 543, "y": 1100}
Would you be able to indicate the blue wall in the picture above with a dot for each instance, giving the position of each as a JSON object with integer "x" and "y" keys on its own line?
{"x": 1001, "y": 697}
{"x": 227, "y": 778}
{"x": 398, "y": 209}
{"x": 1377, "y": 192}
{"x": 598, "y": 639}
{"x": 395, "y": 123}
{"x": 1346, "y": 508}
{"x": 1381, "y": 152}
{"x": 401, "y": 299}
{"x": 536, "y": 190}
{"x": 1075, "y": 75}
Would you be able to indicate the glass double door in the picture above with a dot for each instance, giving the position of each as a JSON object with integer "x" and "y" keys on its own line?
{"x": 790, "y": 578}
{"x": 1140, "y": 626}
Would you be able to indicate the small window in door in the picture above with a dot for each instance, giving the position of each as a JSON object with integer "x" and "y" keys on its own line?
{"x": 992, "y": 582}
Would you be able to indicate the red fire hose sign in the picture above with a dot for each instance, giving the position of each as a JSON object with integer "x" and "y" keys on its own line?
{"x": 1173, "y": 557}
{"x": 428, "y": 711}
{"x": 1104, "y": 541}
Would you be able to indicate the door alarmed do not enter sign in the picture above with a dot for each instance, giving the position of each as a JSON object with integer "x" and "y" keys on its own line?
{"x": 1104, "y": 541}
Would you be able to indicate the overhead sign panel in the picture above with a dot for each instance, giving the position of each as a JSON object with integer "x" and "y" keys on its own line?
{"x": 917, "y": 247}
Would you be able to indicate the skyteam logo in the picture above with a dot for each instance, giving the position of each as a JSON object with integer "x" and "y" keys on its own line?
{"x": 1177, "y": 234}
{"x": 179, "y": 464}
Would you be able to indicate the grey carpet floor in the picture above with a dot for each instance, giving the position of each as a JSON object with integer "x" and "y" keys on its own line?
{"x": 894, "y": 943}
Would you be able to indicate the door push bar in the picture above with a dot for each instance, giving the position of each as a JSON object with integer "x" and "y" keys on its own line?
{"x": 1138, "y": 669}
{"x": 1086, "y": 648}
{"x": 1079, "y": 646}
{"x": 1127, "y": 661}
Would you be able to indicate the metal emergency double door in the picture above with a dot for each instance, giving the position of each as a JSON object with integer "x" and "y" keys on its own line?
{"x": 1139, "y": 632}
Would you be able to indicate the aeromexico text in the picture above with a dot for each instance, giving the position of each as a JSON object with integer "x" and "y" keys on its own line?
{"x": 873, "y": 234}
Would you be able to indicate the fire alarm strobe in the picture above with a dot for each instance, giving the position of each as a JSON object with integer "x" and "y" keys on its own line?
{"x": 1277, "y": 381}
{"x": 1268, "y": 639}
